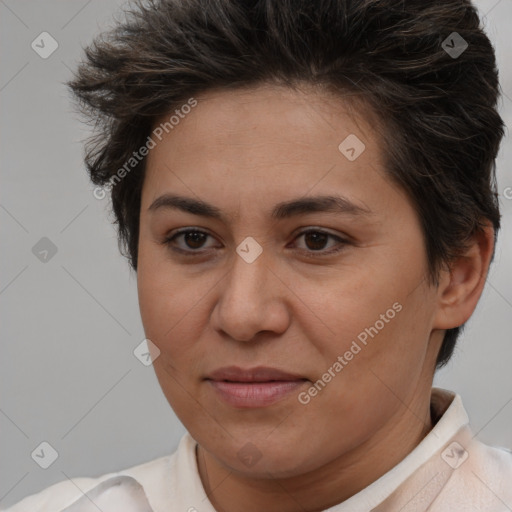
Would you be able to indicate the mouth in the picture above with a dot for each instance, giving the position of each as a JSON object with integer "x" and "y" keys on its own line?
{"x": 254, "y": 387}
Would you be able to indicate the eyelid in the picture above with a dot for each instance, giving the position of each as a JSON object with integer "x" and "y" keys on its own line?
{"x": 324, "y": 252}
{"x": 190, "y": 229}
{"x": 297, "y": 233}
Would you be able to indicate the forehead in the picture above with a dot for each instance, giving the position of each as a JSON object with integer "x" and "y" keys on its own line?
{"x": 282, "y": 115}
{"x": 265, "y": 142}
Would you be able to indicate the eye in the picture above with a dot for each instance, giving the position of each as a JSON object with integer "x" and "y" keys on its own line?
{"x": 192, "y": 238}
{"x": 316, "y": 241}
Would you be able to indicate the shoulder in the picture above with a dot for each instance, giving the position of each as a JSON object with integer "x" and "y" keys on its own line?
{"x": 493, "y": 465}
{"x": 484, "y": 481}
{"x": 62, "y": 494}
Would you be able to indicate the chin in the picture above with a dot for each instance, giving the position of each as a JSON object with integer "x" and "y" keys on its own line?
{"x": 262, "y": 458}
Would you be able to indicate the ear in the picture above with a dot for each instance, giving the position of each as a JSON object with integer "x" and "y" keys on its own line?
{"x": 461, "y": 285}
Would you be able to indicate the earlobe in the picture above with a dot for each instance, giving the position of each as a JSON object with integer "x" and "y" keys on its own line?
{"x": 461, "y": 286}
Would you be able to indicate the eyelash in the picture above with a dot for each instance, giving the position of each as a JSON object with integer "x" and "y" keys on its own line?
{"x": 309, "y": 253}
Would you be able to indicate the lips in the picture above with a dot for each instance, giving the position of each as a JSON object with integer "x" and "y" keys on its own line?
{"x": 257, "y": 374}
{"x": 254, "y": 387}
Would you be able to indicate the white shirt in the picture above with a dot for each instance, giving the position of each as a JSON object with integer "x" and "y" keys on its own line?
{"x": 450, "y": 470}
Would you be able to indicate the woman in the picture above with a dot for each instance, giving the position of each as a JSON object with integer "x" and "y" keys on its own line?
{"x": 306, "y": 192}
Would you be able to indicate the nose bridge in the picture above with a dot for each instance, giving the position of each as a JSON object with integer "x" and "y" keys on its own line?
{"x": 247, "y": 304}
{"x": 246, "y": 281}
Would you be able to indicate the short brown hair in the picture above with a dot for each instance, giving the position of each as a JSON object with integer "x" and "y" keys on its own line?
{"x": 442, "y": 132}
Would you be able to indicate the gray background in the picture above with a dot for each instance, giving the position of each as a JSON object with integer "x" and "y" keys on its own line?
{"x": 70, "y": 325}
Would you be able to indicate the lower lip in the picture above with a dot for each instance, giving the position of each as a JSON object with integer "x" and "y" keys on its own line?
{"x": 255, "y": 394}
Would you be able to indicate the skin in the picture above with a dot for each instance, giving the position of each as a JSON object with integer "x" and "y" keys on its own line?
{"x": 244, "y": 151}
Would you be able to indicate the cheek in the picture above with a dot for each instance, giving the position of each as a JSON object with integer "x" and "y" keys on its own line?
{"x": 347, "y": 307}
{"x": 162, "y": 301}
{"x": 173, "y": 312}
{"x": 375, "y": 318}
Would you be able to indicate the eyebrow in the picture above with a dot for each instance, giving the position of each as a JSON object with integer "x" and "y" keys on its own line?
{"x": 287, "y": 209}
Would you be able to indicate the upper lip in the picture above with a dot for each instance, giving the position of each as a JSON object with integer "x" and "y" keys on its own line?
{"x": 256, "y": 374}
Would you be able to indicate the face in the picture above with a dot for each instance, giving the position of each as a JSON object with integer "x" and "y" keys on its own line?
{"x": 289, "y": 335}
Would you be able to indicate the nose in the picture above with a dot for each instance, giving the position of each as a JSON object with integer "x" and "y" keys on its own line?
{"x": 251, "y": 299}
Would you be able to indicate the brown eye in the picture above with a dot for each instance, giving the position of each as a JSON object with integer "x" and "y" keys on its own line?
{"x": 192, "y": 240}
{"x": 316, "y": 240}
